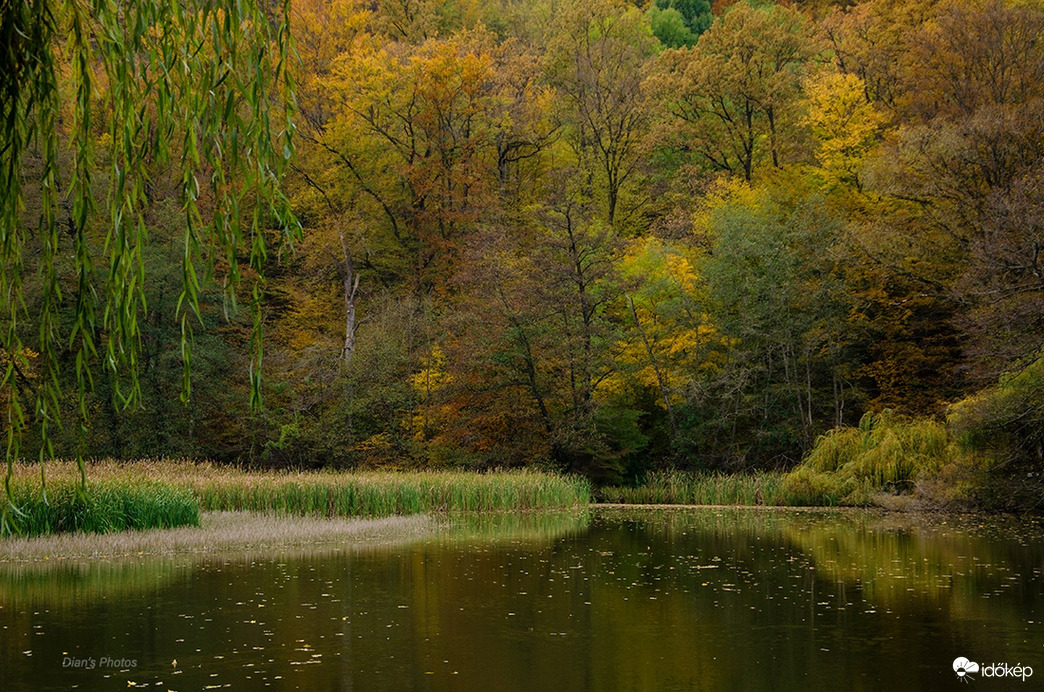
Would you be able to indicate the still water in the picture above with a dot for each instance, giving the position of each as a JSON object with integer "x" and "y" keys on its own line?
{"x": 603, "y": 599}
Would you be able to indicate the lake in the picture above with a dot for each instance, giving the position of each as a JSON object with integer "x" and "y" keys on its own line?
{"x": 599, "y": 599}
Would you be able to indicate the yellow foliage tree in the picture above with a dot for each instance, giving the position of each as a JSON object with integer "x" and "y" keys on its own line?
{"x": 844, "y": 124}
{"x": 669, "y": 339}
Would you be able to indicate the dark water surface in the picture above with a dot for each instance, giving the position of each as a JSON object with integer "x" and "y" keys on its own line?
{"x": 606, "y": 599}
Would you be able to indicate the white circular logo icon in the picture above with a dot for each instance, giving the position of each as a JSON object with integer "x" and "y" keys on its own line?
{"x": 964, "y": 668}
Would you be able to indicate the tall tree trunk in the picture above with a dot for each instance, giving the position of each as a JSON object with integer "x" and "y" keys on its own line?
{"x": 350, "y": 285}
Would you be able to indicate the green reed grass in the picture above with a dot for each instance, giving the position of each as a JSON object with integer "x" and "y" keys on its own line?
{"x": 111, "y": 505}
{"x": 383, "y": 494}
{"x": 324, "y": 493}
{"x": 675, "y": 487}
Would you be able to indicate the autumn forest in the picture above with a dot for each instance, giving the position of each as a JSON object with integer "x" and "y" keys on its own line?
{"x": 609, "y": 237}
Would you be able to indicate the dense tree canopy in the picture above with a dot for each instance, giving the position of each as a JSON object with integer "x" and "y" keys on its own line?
{"x": 595, "y": 235}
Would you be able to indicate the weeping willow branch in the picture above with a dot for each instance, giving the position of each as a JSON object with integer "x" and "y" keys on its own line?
{"x": 200, "y": 87}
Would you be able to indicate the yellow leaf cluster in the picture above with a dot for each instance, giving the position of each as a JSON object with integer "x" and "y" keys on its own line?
{"x": 433, "y": 374}
{"x": 845, "y": 125}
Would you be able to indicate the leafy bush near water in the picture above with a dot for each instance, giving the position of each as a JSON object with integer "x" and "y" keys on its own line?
{"x": 1007, "y": 418}
{"x": 989, "y": 454}
{"x": 886, "y": 452}
{"x": 847, "y": 466}
{"x": 999, "y": 433}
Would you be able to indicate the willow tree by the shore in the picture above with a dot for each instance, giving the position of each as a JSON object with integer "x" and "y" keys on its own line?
{"x": 198, "y": 88}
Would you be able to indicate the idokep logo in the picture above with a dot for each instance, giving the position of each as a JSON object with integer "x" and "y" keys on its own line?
{"x": 965, "y": 669}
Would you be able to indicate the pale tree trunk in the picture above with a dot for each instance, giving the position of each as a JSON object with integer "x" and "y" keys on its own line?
{"x": 350, "y": 285}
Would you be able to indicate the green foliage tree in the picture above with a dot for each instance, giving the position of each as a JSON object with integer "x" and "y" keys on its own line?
{"x": 696, "y": 13}
{"x": 199, "y": 87}
{"x": 780, "y": 305}
{"x": 733, "y": 93}
{"x": 596, "y": 63}
{"x": 669, "y": 27}
{"x": 678, "y": 23}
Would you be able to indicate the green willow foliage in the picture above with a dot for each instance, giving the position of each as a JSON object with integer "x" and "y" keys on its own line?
{"x": 200, "y": 87}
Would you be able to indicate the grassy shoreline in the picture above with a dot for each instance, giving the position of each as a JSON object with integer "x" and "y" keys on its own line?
{"x": 164, "y": 494}
{"x": 679, "y": 488}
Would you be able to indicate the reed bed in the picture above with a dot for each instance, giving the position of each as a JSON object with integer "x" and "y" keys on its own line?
{"x": 386, "y": 494}
{"x": 678, "y": 488}
{"x": 327, "y": 493}
{"x": 110, "y": 505}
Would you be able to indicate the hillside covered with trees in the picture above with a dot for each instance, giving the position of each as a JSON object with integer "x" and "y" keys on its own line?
{"x": 598, "y": 236}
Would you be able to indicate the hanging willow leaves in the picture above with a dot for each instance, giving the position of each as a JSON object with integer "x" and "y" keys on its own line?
{"x": 200, "y": 87}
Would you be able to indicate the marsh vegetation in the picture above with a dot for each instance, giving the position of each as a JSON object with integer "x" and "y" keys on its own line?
{"x": 166, "y": 493}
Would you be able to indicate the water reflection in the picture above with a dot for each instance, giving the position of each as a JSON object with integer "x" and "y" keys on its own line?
{"x": 607, "y": 599}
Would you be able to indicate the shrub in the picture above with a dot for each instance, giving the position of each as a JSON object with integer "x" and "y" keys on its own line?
{"x": 886, "y": 451}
